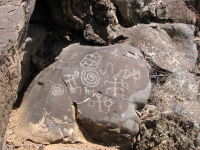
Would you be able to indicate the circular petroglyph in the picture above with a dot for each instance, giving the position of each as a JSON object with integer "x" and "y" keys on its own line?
{"x": 57, "y": 90}
{"x": 90, "y": 77}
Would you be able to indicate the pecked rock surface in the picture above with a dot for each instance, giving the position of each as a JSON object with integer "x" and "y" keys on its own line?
{"x": 99, "y": 87}
{"x": 169, "y": 46}
{"x": 14, "y": 22}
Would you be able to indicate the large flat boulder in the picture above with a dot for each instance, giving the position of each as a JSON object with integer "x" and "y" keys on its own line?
{"x": 99, "y": 87}
{"x": 14, "y": 16}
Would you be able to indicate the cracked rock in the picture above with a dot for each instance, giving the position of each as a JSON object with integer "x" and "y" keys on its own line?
{"x": 99, "y": 87}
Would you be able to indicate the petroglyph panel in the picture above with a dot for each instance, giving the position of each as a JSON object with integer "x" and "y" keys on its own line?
{"x": 98, "y": 81}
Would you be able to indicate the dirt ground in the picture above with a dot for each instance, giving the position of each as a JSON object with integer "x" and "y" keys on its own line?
{"x": 14, "y": 140}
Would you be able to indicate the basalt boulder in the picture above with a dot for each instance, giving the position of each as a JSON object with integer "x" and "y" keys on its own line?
{"x": 169, "y": 46}
{"x": 101, "y": 88}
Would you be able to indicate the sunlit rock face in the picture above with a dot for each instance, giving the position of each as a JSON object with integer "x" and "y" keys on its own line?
{"x": 169, "y": 46}
{"x": 100, "y": 87}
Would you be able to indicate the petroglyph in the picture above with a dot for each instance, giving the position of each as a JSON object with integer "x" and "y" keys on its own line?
{"x": 90, "y": 77}
{"x": 125, "y": 74}
{"x": 107, "y": 102}
{"x": 114, "y": 88}
{"x": 57, "y": 90}
{"x": 71, "y": 82}
{"x": 114, "y": 52}
{"x": 90, "y": 61}
{"x": 88, "y": 92}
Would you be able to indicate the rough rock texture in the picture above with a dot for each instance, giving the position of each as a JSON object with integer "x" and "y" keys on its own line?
{"x": 169, "y": 46}
{"x": 101, "y": 87}
{"x": 181, "y": 90}
{"x": 176, "y": 11}
{"x": 35, "y": 37}
{"x": 15, "y": 16}
{"x": 135, "y": 11}
{"x": 91, "y": 17}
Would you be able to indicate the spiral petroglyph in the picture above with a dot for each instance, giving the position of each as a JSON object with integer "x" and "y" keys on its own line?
{"x": 90, "y": 77}
{"x": 57, "y": 90}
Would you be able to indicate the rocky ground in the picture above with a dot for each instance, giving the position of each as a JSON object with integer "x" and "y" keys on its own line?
{"x": 151, "y": 60}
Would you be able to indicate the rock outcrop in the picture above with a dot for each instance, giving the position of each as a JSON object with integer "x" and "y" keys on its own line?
{"x": 15, "y": 16}
{"x": 100, "y": 87}
{"x": 136, "y": 11}
{"x": 91, "y": 17}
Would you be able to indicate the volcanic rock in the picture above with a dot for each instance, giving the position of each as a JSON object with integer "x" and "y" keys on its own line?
{"x": 169, "y": 46}
{"x": 137, "y": 11}
{"x": 92, "y": 17}
{"x": 35, "y": 37}
{"x": 14, "y": 16}
{"x": 100, "y": 87}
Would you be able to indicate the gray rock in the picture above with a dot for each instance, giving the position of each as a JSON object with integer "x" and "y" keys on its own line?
{"x": 169, "y": 46}
{"x": 15, "y": 16}
{"x": 99, "y": 86}
{"x": 181, "y": 90}
{"x": 182, "y": 85}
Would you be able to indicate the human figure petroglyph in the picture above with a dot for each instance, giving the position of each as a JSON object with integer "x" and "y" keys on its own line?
{"x": 114, "y": 88}
{"x": 90, "y": 61}
{"x": 57, "y": 90}
{"x": 107, "y": 102}
{"x": 125, "y": 74}
{"x": 71, "y": 82}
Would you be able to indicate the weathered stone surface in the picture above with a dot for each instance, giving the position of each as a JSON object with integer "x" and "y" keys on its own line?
{"x": 99, "y": 86}
{"x": 170, "y": 46}
{"x": 181, "y": 90}
{"x": 182, "y": 85}
{"x": 35, "y": 37}
{"x": 176, "y": 11}
{"x": 14, "y": 20}
{"x": 92, "y": 17}
{"x": 135, "y": 11}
